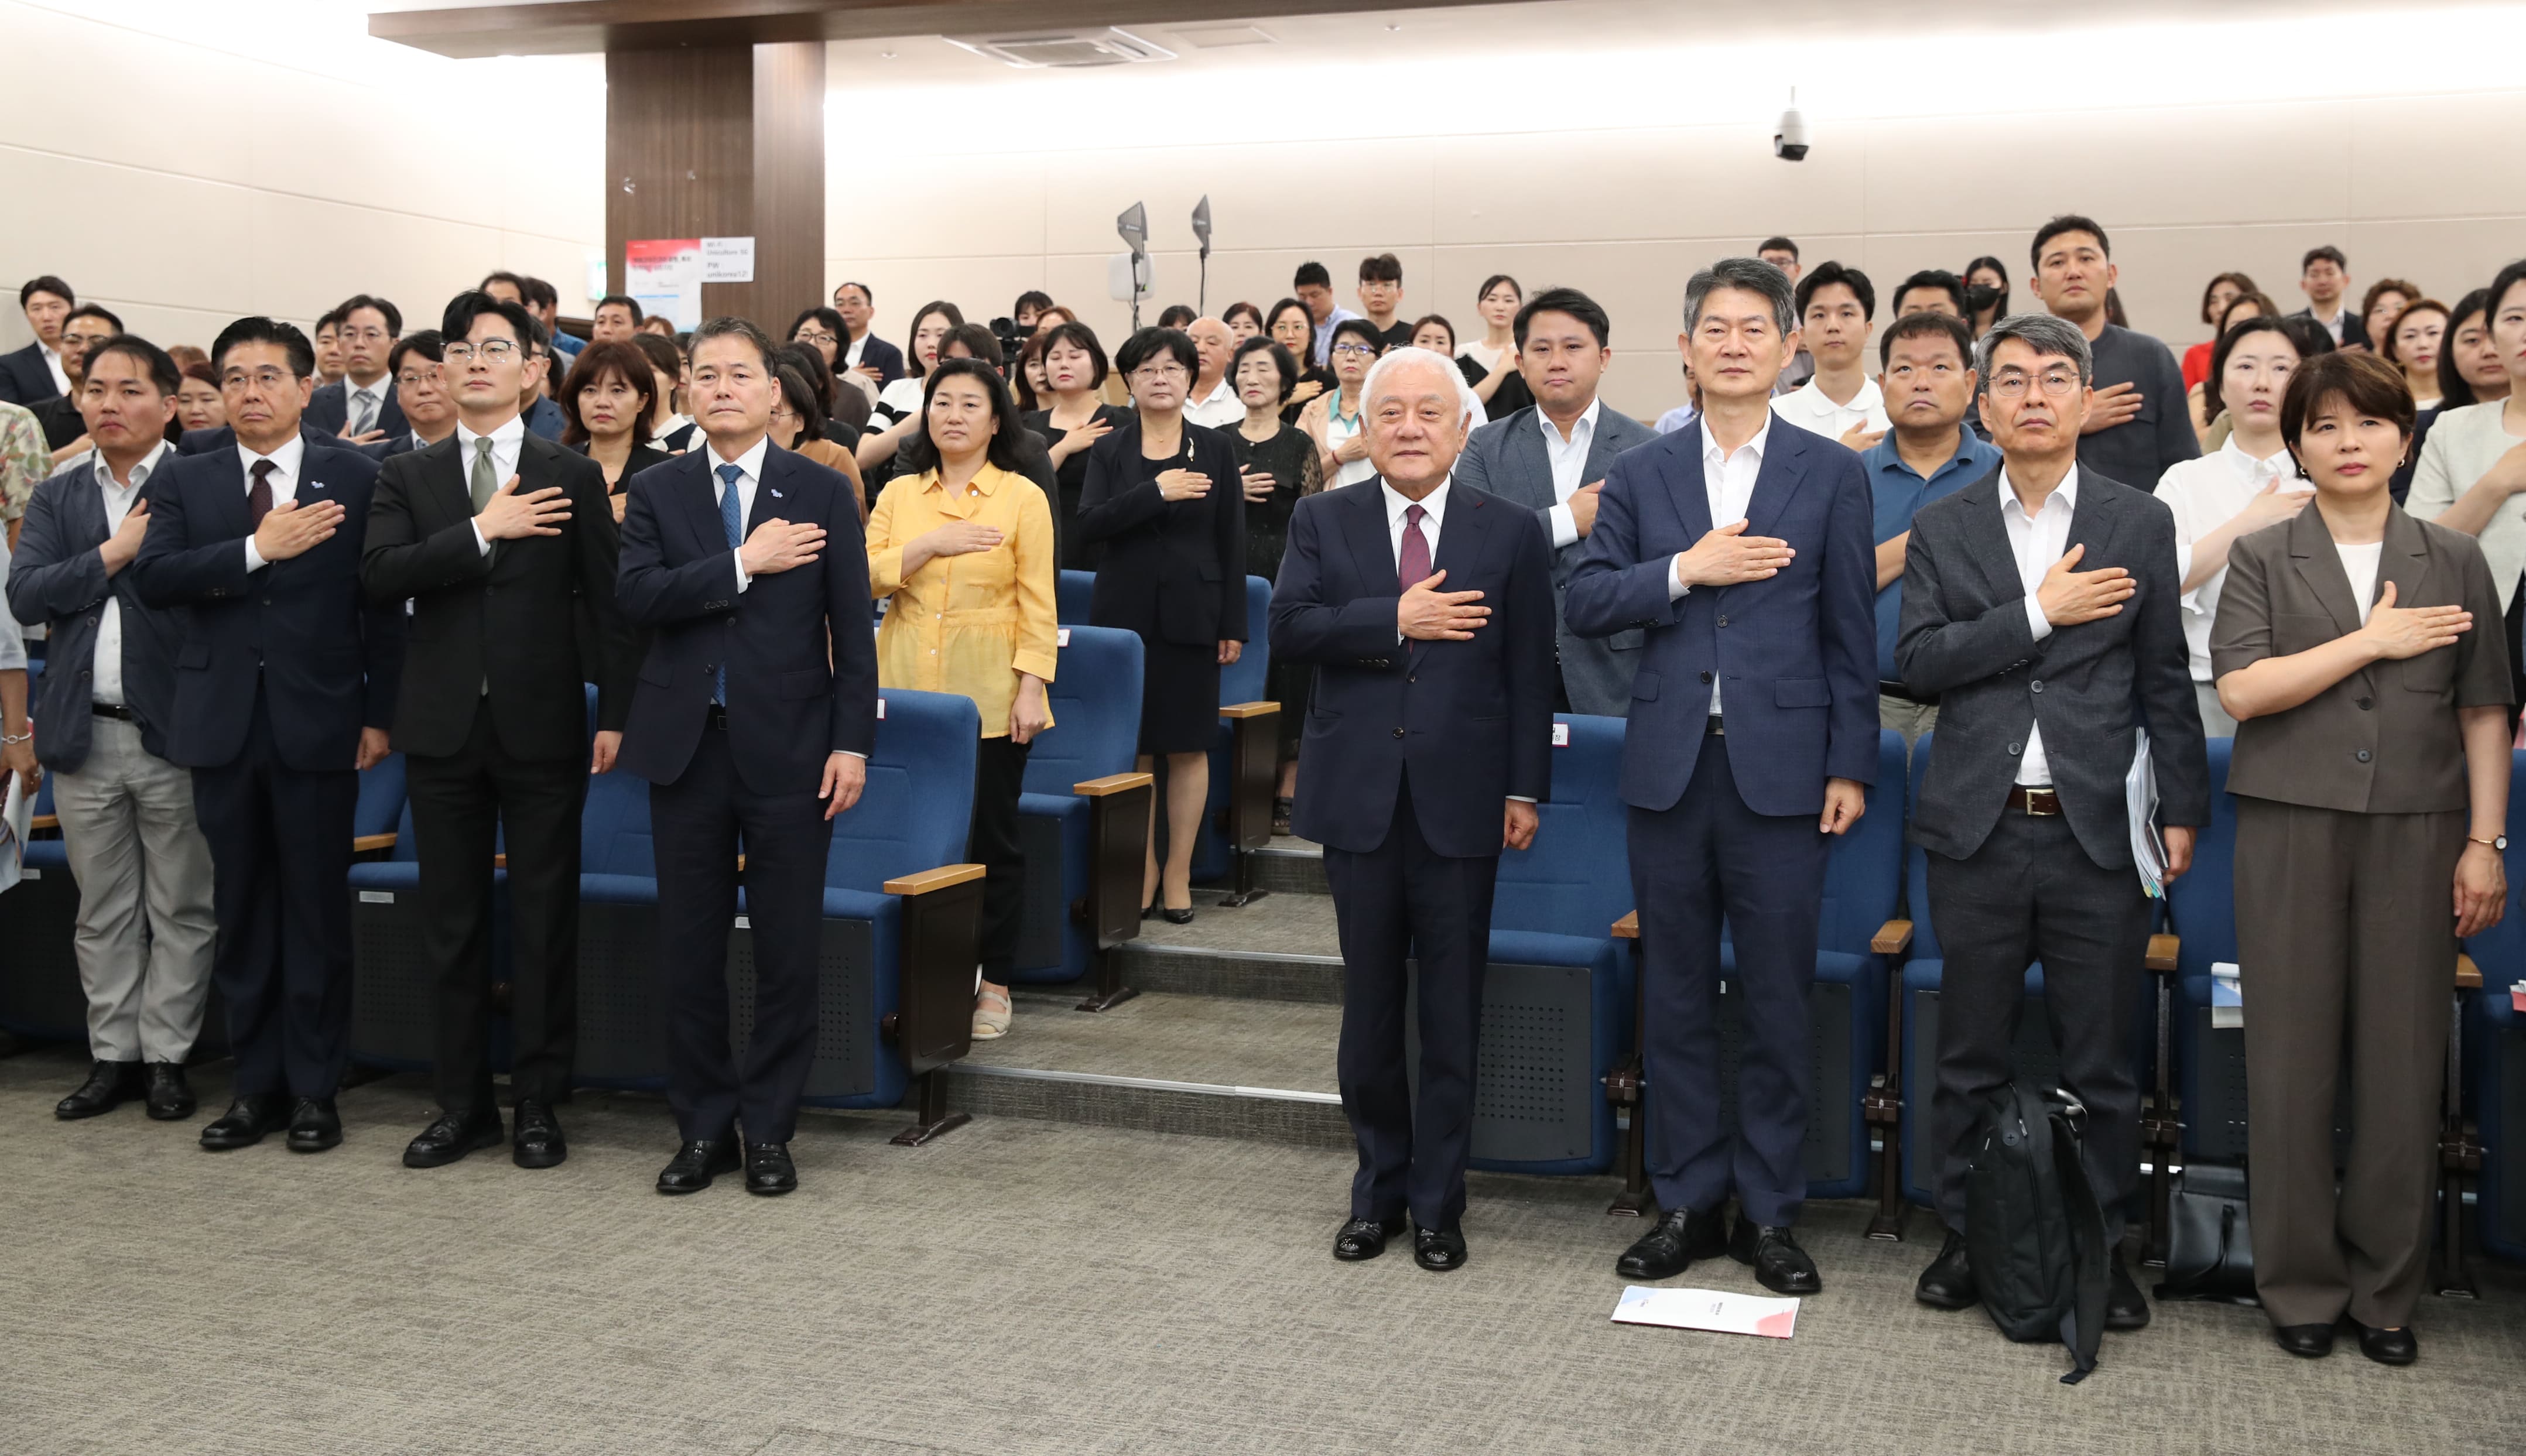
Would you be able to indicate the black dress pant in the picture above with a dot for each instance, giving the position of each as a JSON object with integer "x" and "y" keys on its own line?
{"x": 1404, "y": 901}
{"x": 2029, "y": 893}
{"x": 281, "y": 866}
{"x": 461, "y": 805}
{"x": 999, "y": 776}
{"x": 702, "y": 822}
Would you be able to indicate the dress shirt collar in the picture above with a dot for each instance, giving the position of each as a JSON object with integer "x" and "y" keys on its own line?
{"x": 505, "y": 437}
{"x": 1583, "y": 432}
{"x": 352, "y": 388}
{"x": 985, "y": 481}
{"x": 1434, "y": 505}
{"x": 141, "y": 469}
{"x": 1714, "y": 457}
{"x": 1969, "y": 451}
{"x": 288, "y": 457}
{"x": 2067, "y": 493}
{"x": 752, "y": 462}
{"x": 2251, "y": 470}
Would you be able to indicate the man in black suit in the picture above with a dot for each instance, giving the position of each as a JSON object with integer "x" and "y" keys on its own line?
{"x": 491, "y": 535}
{"x": 34, "y": 374}
{"x": 864, "y": 353}
{"x": 284, "y": 687}
{"x": 361, "y": 406}
{"x": 429, "y": 412}
{"x": 2041, "y": 609}
{"x": 65, "y": 428}
{"x": 754, "y": 715}
{"x": 1426, "y": 608}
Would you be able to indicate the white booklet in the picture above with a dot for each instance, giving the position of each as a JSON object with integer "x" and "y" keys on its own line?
{"x": 16, "y": 811}
{"x": 1707, "y": 1309}
{"x": 2140, "y": 805}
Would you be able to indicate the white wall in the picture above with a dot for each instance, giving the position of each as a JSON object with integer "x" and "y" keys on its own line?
{"x": 184, "y": 164}
{"x": 1621, "y": 173}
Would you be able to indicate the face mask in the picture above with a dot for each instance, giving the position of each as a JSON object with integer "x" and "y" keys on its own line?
{"x": 1979, "y": 296}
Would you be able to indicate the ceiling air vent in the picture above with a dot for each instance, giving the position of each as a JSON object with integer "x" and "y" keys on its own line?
{"x": 1072, "y": 48}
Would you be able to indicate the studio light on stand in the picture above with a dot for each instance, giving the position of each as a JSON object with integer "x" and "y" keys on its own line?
{"x": 1201, "y": 230}
{"x": 1130, "y": 277}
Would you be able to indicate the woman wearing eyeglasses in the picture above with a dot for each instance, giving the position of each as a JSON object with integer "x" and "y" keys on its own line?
{"x": 1163, "y": 499}
{"x": 1332, "y": 418}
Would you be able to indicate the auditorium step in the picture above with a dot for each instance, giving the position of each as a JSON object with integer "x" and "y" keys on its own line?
{"x": 1281, "y": 947}
{"x": 1162, "y": 1062}
{"x": 1288, "y": 866}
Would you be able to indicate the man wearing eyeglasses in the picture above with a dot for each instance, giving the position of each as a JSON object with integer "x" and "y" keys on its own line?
{"x": 2039, "y": 608}
{"x": 361, "y": 406}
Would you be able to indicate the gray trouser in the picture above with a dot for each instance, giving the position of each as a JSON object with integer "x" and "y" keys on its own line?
{"x": 127, "y": 826}
{"x": 1906, "y": 717}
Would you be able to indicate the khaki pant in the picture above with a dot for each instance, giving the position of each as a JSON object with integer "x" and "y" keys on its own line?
{"x": 128, "y": 831}
{"x": 1905, "y": 717}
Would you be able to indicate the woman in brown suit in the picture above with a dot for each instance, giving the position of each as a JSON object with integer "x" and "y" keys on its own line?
{"x": 2363, "y": 655}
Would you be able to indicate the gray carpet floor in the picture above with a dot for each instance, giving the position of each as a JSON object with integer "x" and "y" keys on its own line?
{"x": 1023, "y": 1287}
{"x": 1283, "y": 1045}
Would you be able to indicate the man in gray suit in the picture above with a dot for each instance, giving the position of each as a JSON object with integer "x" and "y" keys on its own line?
{"x": 1550, "y": 458}
{"x": 108, "y": 692}
{"x": 2039, "y": 608}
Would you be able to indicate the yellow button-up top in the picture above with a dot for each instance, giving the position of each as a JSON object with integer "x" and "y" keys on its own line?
{"x": 965, "y": 624}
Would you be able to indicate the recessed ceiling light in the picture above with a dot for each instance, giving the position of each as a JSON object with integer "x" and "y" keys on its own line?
{"x": 1396, "y": 27}
{"x": 885, "y": 55}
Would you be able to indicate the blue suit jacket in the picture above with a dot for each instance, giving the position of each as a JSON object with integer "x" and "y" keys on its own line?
{"x": 329, "y": 662}
{"x": 329, "y": 408}
{"x": 25, "y": 377}
{"x": 789, "y": 709}
{"x": 57, "y": 579}
{"x": 544, "y": 417}
{"x": 1472, "y": 720}
{"x": 1795, "y": 656}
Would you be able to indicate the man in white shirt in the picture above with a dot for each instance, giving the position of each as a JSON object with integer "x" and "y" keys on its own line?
{"x": 146, "y": 920}
{"x": 1212, "y": 400}
{"x": 1837, "y": 307}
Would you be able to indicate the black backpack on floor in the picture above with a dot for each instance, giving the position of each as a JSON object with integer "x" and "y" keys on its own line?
{"x": 2032, "y": 1227}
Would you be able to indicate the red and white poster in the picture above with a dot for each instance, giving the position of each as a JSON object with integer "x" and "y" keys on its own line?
{"x": 665, "y": 276}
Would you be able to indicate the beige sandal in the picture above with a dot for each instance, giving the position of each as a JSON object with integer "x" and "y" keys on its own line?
{"x": 990, "y": 1022}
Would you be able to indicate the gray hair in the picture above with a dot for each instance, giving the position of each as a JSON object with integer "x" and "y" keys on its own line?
{"x": 2046, "y": 334}
{"x": 1752, "y": 274}
{"x": 1408, "y": 356}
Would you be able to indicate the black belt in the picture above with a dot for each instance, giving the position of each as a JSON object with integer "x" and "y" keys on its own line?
{"x": 113, "y": 710}
{"x": 1715, "y": 730}
{"x": 718, "y": 717}
{"x": 2039, "y": 801}
{"x": 1902, "y": 693}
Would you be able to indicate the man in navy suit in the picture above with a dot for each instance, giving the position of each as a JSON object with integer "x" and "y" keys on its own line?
{"x": 1744, "y": 546}
{"x": 36, "y": 374}
{"x": 864, "y": 353}
{"x": 361, "y": 406}
{"x": 284, "y": 686}
{"x": 1426, "y": 608}
{"x": 753, "y": 718}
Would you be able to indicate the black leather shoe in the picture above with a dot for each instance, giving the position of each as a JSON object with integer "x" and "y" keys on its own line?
{"x": 1364, "y": 1238}
{"x": 314, "y": 1126}
{"x": 1779, "y": 1264}
{"x": 1949, "y": 1282}
{"x": 247, "y": 1121}
{"x": 2126, "y": 1307}
{"x": 2310, "y": 1341}
{"x": 1678, "y": 1236}
{"x": 2387, "y": 1346}
{"x": 769, "y": 1170}
{"x": 1181, "y": 917}
{"x": 539, "y": 1142}
{"x": 696, "y": 1163}
{"x": 1438, "y": 1250}
{"x": 109, "y": 1085}
{"x": 452, "y": 1137}
{"x": 169, "y": 1096}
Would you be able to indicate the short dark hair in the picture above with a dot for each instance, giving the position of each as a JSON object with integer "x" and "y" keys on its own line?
{"x": 356, "y": 301}
{"x": 255, "y": 329}
{"x": 330, "y": 319}
{"x": 2454, "y": 392}
{"x": 821, "y": 314}
{"x": 92, "y": 311}
{"x": 2367, "y": 383}
{"x": 517, "y": 281}
{"x": 45, "y": 283}
{"x": 153, "y": 360}
{"x": 457, "y": 323}
{"x": 2237, "y": 280}
{"x": 979, "y": 341}
{"x": 1273, "y": 315}
{"x": 1241, "y": 306}
{"x": 1753, "y": 276}
{"x": 2508, "y": 277}
{"x": 2264, "y": 307}
{"x": 1828, "y": 273}
{"x": 1145, "y": 343}
{"x": 200, "y": 369}
{"x": 2386, "y": 346}
{"x": 1360, "y": 329}
{"x": 1381, "y": 268}
{"x": 428, "y": 343}
{"x": 1034, "y": 297}
{"x": 2066, "y": 223}
{"x": 1932, "y": 277}
{"x": 728, "y": 327}
{"x": 1494, "y": 281}
{"x": 663, "y": 355}
{"x": 2211, "y": 403}
{"x": 626, "y": 300}
{"x": 1282, "y": 359}
{"x": 955, "y": 318}
{"x": 921, "y": 452}
{"x": 798, "y": 392}
{"x": 1949, "y": 326}
{"x": 808, "y": 361}
{"x": 1081, "y": 336}
{"x": 541, "y": 293}
{"x": 1310, "y": 275}
{"x": 1441, "y": 320}
{"x": 596, "y": 362}
{"x": 1775, "y": 245}
{"x": 2324, "y": 253}
{"x": 1569, "y": 301}
{"x": 1176, "y": 315}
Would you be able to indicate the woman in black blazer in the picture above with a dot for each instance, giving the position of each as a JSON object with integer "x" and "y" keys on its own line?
{"x": 1162, "y": 497}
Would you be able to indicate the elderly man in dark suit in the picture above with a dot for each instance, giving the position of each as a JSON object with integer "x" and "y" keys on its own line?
{"x": 1424, "y": 608}
{"x": 2039, "y": 608}
{"x": 1740, "y": 545}
{"x": 1552, "y": 458}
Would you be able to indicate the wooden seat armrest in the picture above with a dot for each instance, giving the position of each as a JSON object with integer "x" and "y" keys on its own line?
{"x": 928, "y": 880}
{"x": 365, "y": 843}
{"x": 1247, "y": 710}
{"x": 2161, "y": 953}
{"x": 1628, "y": 927}
{"x": 2469, "y": 976}
{"x": 44, "y": 822}
{"x": 1893, "y": 938}
{"x": 1112, "y": 783}
{"x": 500, "y": 861}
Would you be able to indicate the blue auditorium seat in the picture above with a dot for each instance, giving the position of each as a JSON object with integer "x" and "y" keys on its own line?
{"x": 2494, "y": 1040}
{"x": 1070, "y": 594}
{"x": 394, "y": 995}
{"x": 40, "y": 993}
{"x": 1095, "y": 702}
{"x": 381, "y": 806}
{"x": 622, "y": 1019}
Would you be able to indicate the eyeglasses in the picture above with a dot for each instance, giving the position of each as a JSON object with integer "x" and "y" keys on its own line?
{"x": 262, "y": 378}
{"x": 370, "y": 335}
{"x": 492, "y": 350}
{"x": 1356, "y": 351}
{"x": 815, "y": 337}
{"x": 1167, "y": 371}
{"x": 413, "y": 379}
{"x": 2055, "y": 381}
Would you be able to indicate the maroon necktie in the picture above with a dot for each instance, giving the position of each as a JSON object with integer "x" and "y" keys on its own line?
{"x": 258, "y": 499}
{"x": 1412, "y": 558}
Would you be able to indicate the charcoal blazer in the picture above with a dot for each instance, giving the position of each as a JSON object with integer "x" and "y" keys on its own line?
{"x": 1471, "y": 721}
{"x": 57, "y": 579}
{"x": 790, "y": 705}
{"x": 506, "y": 618}
{"x": 1795, "y": 656}
{"x": 25, "y": 377}
{"x": 1966, "y": 640}
{"x": 330, "y": 409}
{"x": 327, "y": 659}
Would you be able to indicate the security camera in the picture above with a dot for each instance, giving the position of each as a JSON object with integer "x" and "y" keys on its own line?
{"x": 1790, "y": 137}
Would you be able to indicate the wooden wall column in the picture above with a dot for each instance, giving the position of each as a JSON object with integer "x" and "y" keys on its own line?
{"x": 722, "y": 141}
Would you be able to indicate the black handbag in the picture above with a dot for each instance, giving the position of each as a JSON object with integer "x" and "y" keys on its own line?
{"x": 2211, "y": 1241}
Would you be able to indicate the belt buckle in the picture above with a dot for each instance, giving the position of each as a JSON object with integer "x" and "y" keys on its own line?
{"x": 2033, "y": 812}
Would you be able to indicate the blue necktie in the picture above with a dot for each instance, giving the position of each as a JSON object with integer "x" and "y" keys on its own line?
{"x": 732, "y": 519}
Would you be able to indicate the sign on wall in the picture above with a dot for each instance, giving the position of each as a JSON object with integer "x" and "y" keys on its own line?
{"x": 664, "y": 274}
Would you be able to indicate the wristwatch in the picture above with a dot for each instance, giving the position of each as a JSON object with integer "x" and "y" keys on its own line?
{"x": 2499, "y": 843}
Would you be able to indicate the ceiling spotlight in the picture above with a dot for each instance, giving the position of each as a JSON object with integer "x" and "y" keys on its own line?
{"x": 1398, "y": 26}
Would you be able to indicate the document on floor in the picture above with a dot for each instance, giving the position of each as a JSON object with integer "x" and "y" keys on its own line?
{"x": 2140, "y": 803}
{"x": 1707, "y": 1309}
